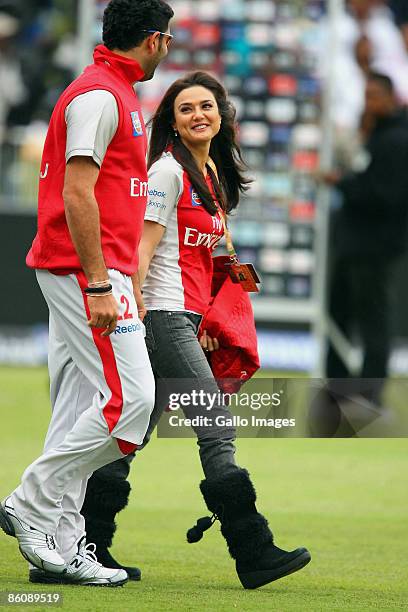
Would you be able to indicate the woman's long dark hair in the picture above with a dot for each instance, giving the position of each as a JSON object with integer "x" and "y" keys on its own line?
{"x": 224, "y": 149}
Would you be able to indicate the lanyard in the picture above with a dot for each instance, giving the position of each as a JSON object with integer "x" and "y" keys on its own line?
{"x": 228, "y": 238}
{"x": 244, "y": 274}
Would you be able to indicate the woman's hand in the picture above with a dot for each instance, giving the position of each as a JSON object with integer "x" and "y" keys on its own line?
{"x": 137, "y": 292}
{"x": 208, "y": 344}
{"x": 141, "y": 308}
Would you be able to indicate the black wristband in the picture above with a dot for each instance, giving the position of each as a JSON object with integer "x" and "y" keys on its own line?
{"x": 98, "y": 290}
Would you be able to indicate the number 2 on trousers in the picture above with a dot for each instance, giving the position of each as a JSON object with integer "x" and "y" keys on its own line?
{"x": 127, "y": 314}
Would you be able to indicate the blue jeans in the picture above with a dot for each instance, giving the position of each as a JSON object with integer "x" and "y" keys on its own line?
{"x": 175, "y": 353}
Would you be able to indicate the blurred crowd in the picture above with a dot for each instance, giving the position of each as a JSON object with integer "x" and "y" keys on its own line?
{"x": 35, "y": 61}
{"x": 263, "y": 50}
{"x": 37, "y": 55}
{"x": 369, "y": 221}
{"x": 372, "y": 35}
{"x": 37, "y": 58}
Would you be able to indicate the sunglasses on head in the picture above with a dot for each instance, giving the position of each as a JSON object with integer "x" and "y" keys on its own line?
{"x": 169, "y": 37}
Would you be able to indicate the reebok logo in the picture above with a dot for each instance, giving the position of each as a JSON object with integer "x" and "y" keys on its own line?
{"x": 128, "y": 329}
{"x": 157, "y": 194}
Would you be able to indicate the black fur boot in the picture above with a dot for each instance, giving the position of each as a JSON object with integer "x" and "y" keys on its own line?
{"x": 249, "y": 539}
{"x": 103, "y": 500}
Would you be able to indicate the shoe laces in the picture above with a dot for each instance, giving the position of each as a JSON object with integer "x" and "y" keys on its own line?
{"x": 50, "y": 541}
{"x": 88, "y": 554}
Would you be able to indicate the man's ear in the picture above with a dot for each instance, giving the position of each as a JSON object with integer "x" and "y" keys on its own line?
{"x": 152, "y": 42}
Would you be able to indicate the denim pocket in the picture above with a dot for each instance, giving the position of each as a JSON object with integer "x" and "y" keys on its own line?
{"x": 149, "y": 336}
{"x": 179, "y": 321}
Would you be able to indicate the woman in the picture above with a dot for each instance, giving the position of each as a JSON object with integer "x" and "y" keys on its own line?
{"x": 195, "y": 177}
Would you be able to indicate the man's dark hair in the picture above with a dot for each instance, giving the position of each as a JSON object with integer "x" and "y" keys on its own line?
{"x": 124, "y": 22}
{"x": 383, "y": 80}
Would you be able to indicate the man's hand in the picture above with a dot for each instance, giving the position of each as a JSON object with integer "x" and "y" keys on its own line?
{"x": 208, "y": 344}
{"x": 104, "y": 312}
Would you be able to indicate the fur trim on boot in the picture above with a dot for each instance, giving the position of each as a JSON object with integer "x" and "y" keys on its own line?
{"x": 105, "y": 498}
{"x": 100, "y": 532}
{"x": 234, "y": 491}
{"x": 247, "y": 537}
{"x": 232, "y": 498}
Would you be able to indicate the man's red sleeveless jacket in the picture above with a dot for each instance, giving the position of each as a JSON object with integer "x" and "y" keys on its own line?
{"x": 121, "y": 188}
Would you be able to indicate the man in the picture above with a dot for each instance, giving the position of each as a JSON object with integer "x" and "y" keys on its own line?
{"x": 92, "y": 199}
{"x": 370, "y": 232}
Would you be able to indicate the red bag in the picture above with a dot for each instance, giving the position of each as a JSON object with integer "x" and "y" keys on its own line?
{"x": 230, "y": 319}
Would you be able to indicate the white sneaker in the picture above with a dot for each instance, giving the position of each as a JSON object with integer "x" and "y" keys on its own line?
{"x": 86, "y": 570}
{"x": 37, "y": 547}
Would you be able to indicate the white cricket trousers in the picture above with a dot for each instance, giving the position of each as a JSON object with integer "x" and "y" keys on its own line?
{"x": 87, "y": 429}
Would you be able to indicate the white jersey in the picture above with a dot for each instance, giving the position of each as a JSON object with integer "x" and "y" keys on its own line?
{"x": 180, "y": 272}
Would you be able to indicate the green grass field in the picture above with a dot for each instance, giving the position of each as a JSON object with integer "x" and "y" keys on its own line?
{"x": 346, "y": 500}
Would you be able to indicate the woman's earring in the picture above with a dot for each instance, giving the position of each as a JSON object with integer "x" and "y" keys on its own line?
{"x": 175, "y": 132}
